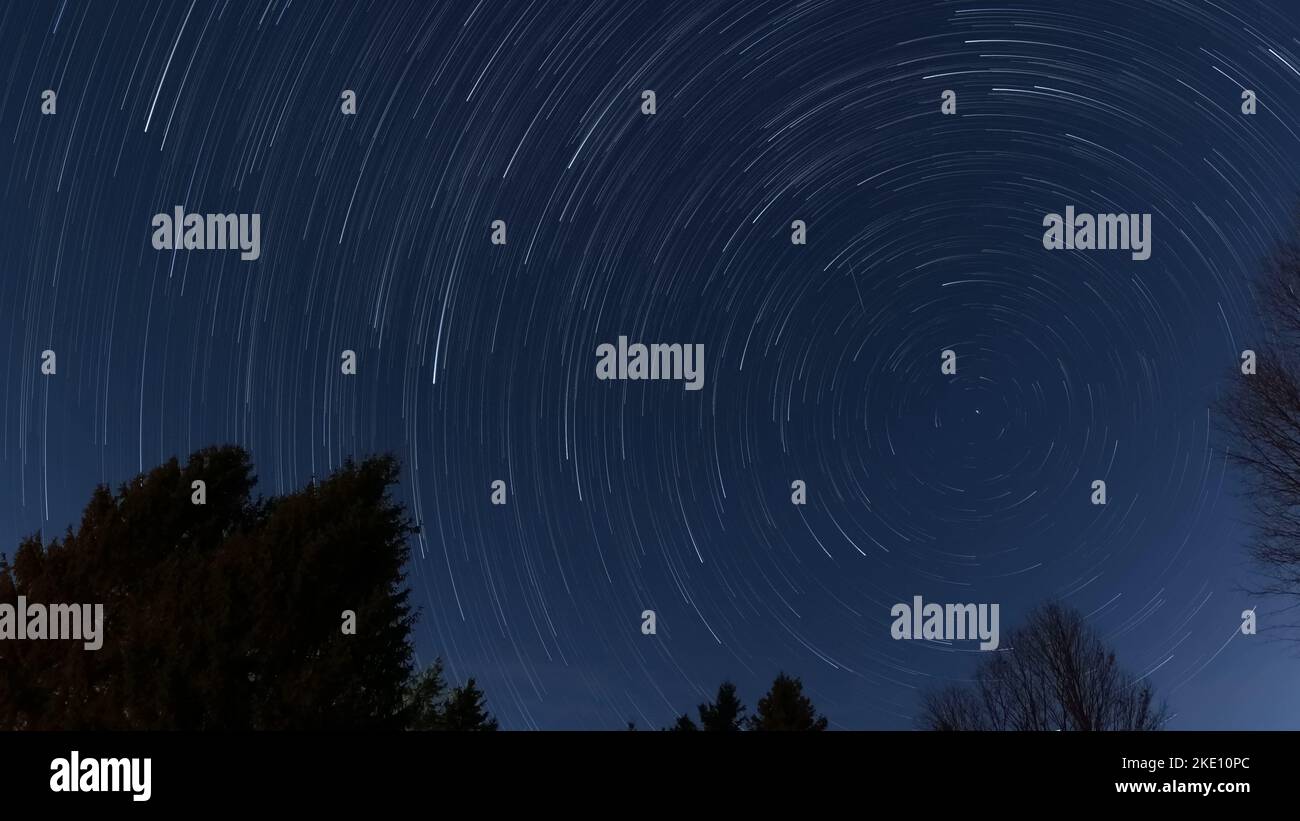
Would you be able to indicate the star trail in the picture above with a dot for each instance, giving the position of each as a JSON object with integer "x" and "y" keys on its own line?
{"x": 501, "y": 204}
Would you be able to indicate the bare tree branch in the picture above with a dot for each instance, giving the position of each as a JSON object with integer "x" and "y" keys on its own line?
{"x": 1056, "y": 674}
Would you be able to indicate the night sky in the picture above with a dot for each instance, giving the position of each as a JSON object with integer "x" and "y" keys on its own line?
{"x": 476, "y": 362}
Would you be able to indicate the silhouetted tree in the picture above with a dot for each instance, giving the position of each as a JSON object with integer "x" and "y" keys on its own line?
{"x": 427, "y": 699}
{"x": 465, "y": 710}
{"x": 1262, "y": 412}
{"x": 684, "y": 724}
{"x": 724, "y": 714}
{"x": 785, "y": 707}
{"x": 1055, "y": 674}
{"x": 224, "y": 615}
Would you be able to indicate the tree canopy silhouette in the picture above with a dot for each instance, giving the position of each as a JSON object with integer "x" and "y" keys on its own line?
{"x": 1055, "y": 674}
{"x": 228, "y": 614}
{"x": 465, "y": 710}
{"x": 785, "y": 707}
{"x": 725, "y": 714}
{"x": 1262, "y": 413}
{"x": 433, "y": 707}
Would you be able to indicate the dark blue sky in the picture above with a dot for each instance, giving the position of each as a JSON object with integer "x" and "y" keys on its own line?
{"x": 477, "y": 362}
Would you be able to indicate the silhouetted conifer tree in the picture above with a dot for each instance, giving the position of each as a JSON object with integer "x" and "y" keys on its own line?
{"x": 684, "y": 725}
{"x": 225, "y": 615}
{"x": 427, "y": 698}
{"x": 726, "y": 714}
{"x": 785, "y": 707}
{"x": 465, "y": 710}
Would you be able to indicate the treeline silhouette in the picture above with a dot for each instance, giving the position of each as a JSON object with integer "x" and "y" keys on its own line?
{"x": 783, "y": 708}
{"x": 228, "y": 614}
{"x": 1056, "y": 673}
{"x": 233, "y": 614}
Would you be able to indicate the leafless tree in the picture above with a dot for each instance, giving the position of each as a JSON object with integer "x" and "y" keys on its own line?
{"x": 1262, "y": 413}
{"x": 1055, "y": 674}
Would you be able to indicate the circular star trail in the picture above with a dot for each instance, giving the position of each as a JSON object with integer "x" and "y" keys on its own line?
{"x": 476, "y": 361}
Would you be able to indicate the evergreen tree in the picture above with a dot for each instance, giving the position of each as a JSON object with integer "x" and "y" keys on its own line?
{"x": 785, "y": 707}
{"x": 726, "y": 714}
{"x": 466, "y": 710}
{"x": 684, "y": 725}
{"x": 226, "y": 615}
{"x": 426, "y": 702}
